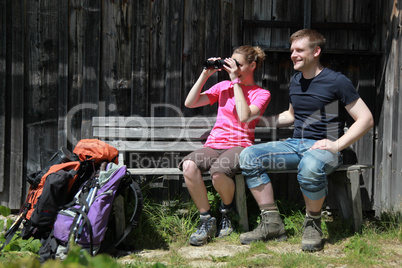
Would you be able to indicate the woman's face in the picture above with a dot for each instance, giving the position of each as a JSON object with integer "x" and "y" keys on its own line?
{"x": 246, "y": 70}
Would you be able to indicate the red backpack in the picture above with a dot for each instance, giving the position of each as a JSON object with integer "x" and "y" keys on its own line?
{"x": 96, "y": 150}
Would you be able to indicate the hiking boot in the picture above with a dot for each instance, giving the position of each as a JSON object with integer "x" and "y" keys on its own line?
{"x": 312, "y": 234}
{"x": 225, "y": 226}
{"x": 205, "y": 231}
{"x": 270, "y": 227}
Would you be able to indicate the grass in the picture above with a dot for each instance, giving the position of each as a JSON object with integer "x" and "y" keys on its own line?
{"x": 166, "y": 230}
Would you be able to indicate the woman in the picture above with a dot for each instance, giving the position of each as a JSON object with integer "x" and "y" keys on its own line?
{"x": 241, "y": 104}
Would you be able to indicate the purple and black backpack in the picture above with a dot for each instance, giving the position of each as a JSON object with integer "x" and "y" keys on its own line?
{"x": 85, "y": 220}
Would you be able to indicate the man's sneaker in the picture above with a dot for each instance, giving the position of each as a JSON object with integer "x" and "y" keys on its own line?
{"x": 225, "y": 226}
{"x": 205, "y": 231}
{"x": 270, "y": 227}
{"x": 312, "y": 234}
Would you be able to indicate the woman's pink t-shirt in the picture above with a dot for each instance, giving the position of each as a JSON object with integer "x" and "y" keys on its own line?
{"x": 228, "y": 131}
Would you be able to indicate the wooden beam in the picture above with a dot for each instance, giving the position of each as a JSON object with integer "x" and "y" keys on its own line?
{"x": 314, "y": 25}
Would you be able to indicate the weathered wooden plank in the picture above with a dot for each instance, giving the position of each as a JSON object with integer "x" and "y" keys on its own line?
{"x": 376, "y": 18}
{"x": 282, "y": 12}
{"x": 394, "y": 196}
{"x": 387, "y": 132}
{"x": 296, "y": 25}
{"x": 3, "y": 95}
{"x": 138, "y": 121}
{"x": 157, "y": 57}
{"x": 14, "y": 193}
{"x": 317, "y": 12}
{"x": 347, "y": 15}
{"x": 264, "y": 134}
{"x": 225, "y": 29}
{"x": 331, "y": 12}
{"x": 388, "y": 100}
{"x": 91, "y": 63}
{"x": 194, "y": 41}
{"x": 347, "y": 19}
{"x": 364, "y": 148}
{"x": 63, "y": 41}
{"x": 277, "y": 74}
{"x": 398, "y": 176}
{"x": 355, "y": 198}
{"x": 141, "y": 49}
{"x": 163, "y": 122}
{"x": 360, "y": 13}
{"x": 75, "y": 70}
{"x": 241, "y": 201}
{"x": 115, "y": 84}
{"x": 212, "y": 39}
{"x": 259, "y": 10}
{"x": 238, "y": 15}
{"x": 42, "y": 82}
{"x": 158, "y": 133}
{"x": 176, "y": 171}
{"x": 156, "y": 146}
{"x": 174, "y": 41}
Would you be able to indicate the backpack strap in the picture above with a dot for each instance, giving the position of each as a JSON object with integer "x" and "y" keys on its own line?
{"x": 136, "y": 191}
{"x": 76, "y": 227}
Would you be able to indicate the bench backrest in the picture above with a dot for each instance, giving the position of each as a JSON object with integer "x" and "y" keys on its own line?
{"x": 165, "y": 134}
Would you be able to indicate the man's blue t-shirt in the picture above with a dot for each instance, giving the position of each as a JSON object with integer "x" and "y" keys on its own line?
{"x": 319, "y": 103}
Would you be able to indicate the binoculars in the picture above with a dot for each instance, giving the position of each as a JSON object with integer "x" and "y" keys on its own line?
{"x": 216, "y": 64}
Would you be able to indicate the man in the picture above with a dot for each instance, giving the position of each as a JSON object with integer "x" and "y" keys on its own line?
{"x": 318, "y": 99}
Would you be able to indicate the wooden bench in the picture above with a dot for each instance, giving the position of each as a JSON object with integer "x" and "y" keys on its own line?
{"x": 174, "y": 135}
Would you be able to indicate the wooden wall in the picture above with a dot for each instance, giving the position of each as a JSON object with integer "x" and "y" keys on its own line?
{"x": 388, "y": 157}
{"x": 62, "y": 62}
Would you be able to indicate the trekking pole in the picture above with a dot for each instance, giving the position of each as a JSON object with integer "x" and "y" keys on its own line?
{"x": 91, "y": 198}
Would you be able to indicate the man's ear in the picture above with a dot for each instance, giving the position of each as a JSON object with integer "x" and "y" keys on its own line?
{"x": 317, "y": 51}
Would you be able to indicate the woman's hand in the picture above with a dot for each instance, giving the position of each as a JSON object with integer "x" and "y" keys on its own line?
{"x": 232, "y": 68}
{"x": 210, "y": 71}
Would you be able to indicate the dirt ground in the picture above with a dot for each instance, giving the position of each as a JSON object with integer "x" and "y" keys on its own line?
{"x": 197, "y": 256}
{"x": 204, "y": 256}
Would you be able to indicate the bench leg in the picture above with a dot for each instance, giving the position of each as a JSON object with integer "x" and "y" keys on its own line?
{"x": 121, "y": 158}
{"x": 241, "y": 201}
{"x": 346, "y": 189}
{"x": 355, "y": 198}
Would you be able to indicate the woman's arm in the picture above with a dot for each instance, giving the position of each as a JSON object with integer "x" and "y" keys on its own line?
{"x": 195, "y": 98}
{"x": 244, "y": 111}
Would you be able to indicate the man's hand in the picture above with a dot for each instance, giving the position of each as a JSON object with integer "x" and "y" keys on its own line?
{"x": 326, "y": 144}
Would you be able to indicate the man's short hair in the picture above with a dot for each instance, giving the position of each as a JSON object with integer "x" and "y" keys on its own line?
{"x": 314, "y": 37}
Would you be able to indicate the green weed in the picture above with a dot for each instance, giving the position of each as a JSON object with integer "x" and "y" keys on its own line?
{"x": 168, "y": 228}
